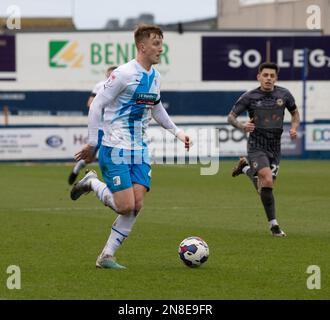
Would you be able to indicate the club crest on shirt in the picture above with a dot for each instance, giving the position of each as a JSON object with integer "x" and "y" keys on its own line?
{"x": 254, "y": 164}
{"x": 280, "y": 102}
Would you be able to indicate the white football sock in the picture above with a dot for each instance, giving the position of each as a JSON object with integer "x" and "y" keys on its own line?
{"x": 79, "y": 165}
{"x": 273, "y": 223}
{"x": 103, "y": 193}
{"x": 245, "y": 169}
{"x": 120, "y": 230}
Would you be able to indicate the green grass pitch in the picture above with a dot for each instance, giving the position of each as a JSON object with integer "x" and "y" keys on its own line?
{"x": 55, "y": 241}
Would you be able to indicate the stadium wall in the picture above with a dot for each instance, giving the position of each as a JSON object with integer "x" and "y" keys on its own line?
{"x": 203, "y": 74}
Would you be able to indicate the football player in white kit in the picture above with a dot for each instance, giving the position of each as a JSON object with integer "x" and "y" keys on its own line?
{"x": 129, "y": 99}
{"x": 82, "y": 163}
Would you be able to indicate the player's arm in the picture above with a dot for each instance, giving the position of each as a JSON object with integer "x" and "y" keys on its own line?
{"x": 295, "y": 118}
{"x": 162, "y": 118}
{"x": 107, "y": 95}
{"x": 90, "y": 99}
{"x": 247, "y": 126}
{"x": 94, "y": 120}
{"x": 295, "y": 122}
{"x": 93, "y": 94}
{"x": 239, "y": 107}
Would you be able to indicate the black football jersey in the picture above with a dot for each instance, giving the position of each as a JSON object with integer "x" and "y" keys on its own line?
{"x": 267, "y": 111}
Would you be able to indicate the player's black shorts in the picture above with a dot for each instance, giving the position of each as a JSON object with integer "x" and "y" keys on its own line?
{"x": 261, "y": 159}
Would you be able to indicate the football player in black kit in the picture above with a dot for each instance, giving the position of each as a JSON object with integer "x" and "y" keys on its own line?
{"x": 265, "y": 106}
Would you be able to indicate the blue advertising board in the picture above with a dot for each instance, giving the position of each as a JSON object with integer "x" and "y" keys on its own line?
{"x": 237, "y": 58}
{"x": 7, "y": 56}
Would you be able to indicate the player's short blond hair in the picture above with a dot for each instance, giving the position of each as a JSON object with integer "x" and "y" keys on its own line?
{"x": 143, "y": 31}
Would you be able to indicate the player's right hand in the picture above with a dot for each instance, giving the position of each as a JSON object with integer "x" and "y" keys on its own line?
{"x": 185, "y": 139}
{"x": 187, "y": 143}
{"x": 87, "y": 153}
{"x": 293, "y": 133}
{"x": 249, "y": 126}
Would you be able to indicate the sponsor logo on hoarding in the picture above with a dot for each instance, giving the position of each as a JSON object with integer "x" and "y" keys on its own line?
{"x": 115, "y": 53}
{"x": 64, "y": 54}
{"x": 231, "y": 134}
{"x": 318, "y": 137}
{"x": 237, "y": 58}
{"x": 54, "y": 141}
{"x": 321, "y": 135}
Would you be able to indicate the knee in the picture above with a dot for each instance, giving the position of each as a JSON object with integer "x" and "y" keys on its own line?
{"x": 266, "y": 181}
{"x": 265, "y": 178}
{"x": 125, "y": 208}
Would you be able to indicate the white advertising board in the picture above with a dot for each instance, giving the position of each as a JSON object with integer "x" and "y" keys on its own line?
{"x": 59, "y": 143}
{"x": 318, "y": 137}
{"x": 41, "y": 143}
{"x": 209, "y": 141}
{"x": 76, "y": 61}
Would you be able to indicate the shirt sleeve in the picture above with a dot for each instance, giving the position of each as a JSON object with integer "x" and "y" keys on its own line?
{"x": 290, "y": 102}
{"x": 162, "y": 118}
{"x": 241, "y": 105}
{"x": 114, "y": 85}
{"x": 106, "y": 96}
{"x": 97, "y": 88}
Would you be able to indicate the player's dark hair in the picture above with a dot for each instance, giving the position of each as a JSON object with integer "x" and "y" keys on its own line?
{"x": 268, "y": 65}
{"x": 143, "y": 31}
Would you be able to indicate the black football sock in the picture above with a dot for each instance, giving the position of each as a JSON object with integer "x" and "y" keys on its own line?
{"x": 268, "y": 201}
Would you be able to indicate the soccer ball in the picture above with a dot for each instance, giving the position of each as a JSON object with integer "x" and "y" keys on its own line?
{"x": 193, "y": 251}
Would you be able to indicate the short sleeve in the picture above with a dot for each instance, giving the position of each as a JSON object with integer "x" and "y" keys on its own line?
{"x": 290, "y": 102}
{"x": 241, "y": 104}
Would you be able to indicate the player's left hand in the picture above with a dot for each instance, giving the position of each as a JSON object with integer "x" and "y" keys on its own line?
{"x": 86, "y": 153}
{"x": 293, "y": 133}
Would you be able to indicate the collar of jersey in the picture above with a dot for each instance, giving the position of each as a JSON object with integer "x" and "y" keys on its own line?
{"x": 142, "y": 69}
